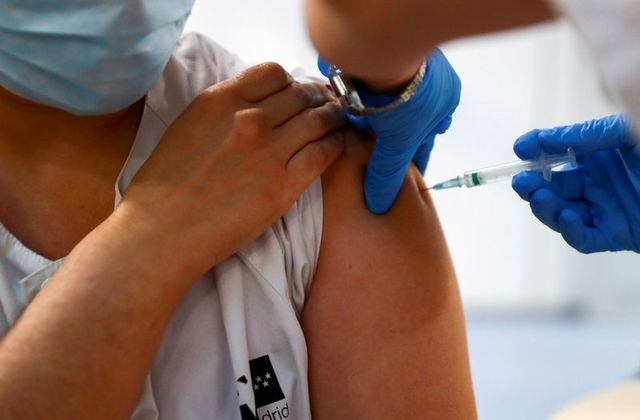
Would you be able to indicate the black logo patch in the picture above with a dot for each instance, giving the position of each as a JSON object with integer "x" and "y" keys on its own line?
{"x": 266, "y": 387}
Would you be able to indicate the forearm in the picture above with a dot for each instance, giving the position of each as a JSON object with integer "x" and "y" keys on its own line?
{"x": 83, "y": 347}
{"x": 382, "y": 42}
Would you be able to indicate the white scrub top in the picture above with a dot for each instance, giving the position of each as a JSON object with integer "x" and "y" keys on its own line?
{"x": 612, "y": 29}
{"x": 234, "y": 344}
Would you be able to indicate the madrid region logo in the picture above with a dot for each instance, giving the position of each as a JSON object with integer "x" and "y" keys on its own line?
{"x": 266, "y": 390}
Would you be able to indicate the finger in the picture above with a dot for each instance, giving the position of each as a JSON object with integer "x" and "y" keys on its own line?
{"x": 310, "y": 125}
{"x": 583, "y": 238}
{"x": 546, "y": 207}
{"x": 384, "y": 177}
{"x": 323, "y": 66}
{"x": 290, "y": 101}
{"x": 261, "y": 81}
{"x": 569, "y": 185}
{"x": 605, "y": 133}
{"x": 314, "y": 158}
{"x": 526, "y": 183}
{"x": 527, "y": 146}
{"x": 360, "y": 123}
{"x": 421, "y": 159}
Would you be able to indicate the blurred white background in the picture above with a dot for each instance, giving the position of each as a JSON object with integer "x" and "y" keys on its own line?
{"x": 535, "y": 306}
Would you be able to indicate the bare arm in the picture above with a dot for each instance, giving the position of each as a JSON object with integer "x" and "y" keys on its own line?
{"x": 381, "y": 42}
{"x": 384, "y": 323}
{"x": 84, "y": 346}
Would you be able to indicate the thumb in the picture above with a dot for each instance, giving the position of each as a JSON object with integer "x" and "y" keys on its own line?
{"x": 384, "y": 177}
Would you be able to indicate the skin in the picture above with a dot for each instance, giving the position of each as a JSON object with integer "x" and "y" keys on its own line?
{"x": 83, "y": 347}
{"x": 384, "y": 45}
{"x": 58, "y": 160}
{"x": 383, "y": 322}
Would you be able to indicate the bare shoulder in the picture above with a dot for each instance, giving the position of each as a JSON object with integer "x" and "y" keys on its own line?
{"x": 383, "y": 320}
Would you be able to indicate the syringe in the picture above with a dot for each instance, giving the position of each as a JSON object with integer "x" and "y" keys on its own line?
{"x": 545, "y": 164}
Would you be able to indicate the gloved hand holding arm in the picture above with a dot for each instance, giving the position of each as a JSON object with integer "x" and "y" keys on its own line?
{"x": 406, "y": 133}
{"x": 596, "y": 207}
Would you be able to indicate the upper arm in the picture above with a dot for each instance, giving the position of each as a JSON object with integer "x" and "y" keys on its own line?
{"x": 383, "y": 320}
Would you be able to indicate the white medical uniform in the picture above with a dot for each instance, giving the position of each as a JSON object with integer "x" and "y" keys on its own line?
{"x": 235, "y": 343}
{"x": 612, "y": 30}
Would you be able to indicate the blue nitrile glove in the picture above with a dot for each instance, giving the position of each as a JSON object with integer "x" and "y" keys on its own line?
{"x": 406, "y": 133}
{"x": 595, "y": 207}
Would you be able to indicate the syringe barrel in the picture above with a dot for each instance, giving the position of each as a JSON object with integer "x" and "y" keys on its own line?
{"x": 498, "y": 173}
{"x": 544, "y": 164}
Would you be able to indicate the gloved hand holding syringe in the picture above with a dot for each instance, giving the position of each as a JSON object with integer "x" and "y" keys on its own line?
{"x": 545, "y": 164}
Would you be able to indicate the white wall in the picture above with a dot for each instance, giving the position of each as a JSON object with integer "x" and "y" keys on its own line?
{"x": 511, "y": 83}
{"x": 258, "y": 30}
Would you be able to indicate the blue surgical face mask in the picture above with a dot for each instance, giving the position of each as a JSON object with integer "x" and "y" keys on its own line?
{"x": 87, "y": 57}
